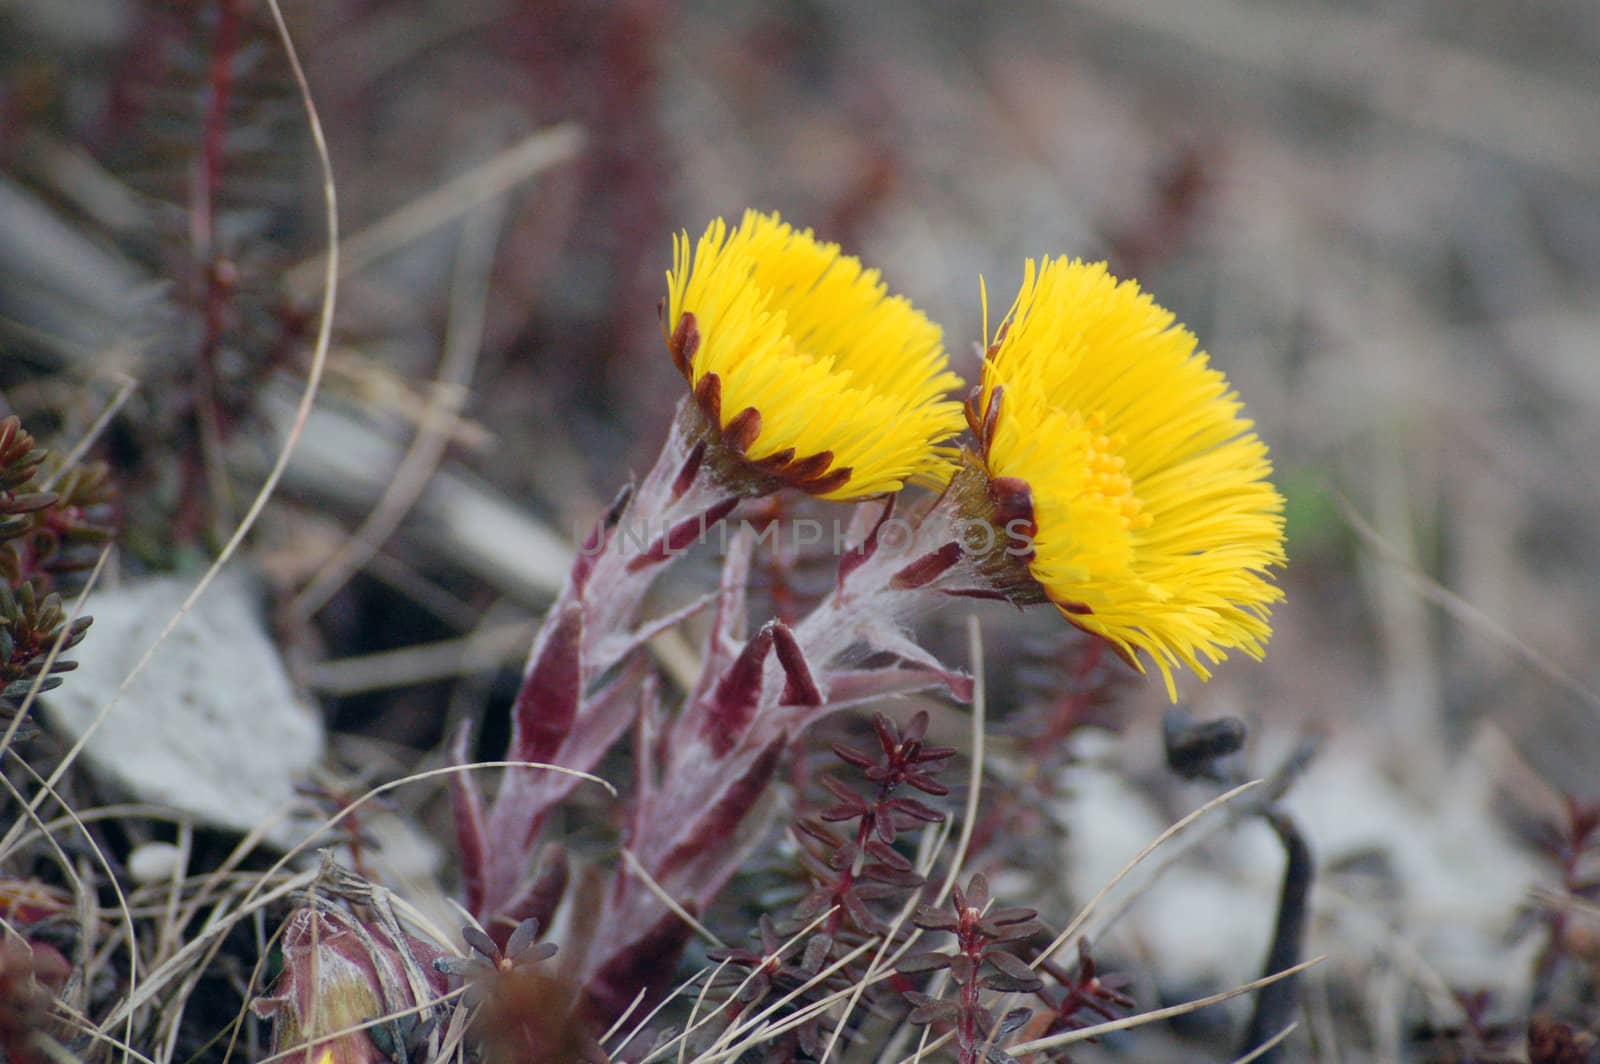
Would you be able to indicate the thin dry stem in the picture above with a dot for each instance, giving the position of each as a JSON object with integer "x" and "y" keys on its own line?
{"x": 1079, "y": 920}
{"x": 668, "y": 900}
{"x": 1463, "y": 611}
{"x": 463, "y": 343}
{"x": 493, "y": 178}
{"x": 1066, "y": 1038}
{"x": 1267, "y": 1046}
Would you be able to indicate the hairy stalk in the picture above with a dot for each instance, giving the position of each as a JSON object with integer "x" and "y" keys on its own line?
{"x": 580, "y": 691}
{"x": 694, "y": 820}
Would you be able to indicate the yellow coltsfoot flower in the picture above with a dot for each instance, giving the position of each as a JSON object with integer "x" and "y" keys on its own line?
{"x": 810, "y": 372}
{"x": 1143, "y": 493}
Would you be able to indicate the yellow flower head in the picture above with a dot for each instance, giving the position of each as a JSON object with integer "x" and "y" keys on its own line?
{"x": 814, "y": 374}
{"x": 1154, "y": 521}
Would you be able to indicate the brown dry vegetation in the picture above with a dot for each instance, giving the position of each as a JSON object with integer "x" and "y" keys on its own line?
{"x": 1383, "y": 221}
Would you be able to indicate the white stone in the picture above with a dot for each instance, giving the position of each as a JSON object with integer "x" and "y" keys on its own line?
{"x": 212, "y": 727}
{"x": 155, "y": 862}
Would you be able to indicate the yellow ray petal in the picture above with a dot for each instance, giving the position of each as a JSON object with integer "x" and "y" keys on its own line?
{"x": 1157, "y": 524}
{"x": 811, "y": 340}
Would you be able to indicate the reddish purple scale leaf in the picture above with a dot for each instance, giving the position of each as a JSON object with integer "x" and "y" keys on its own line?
{"x": 853, "y": 559}
{"x": 733, "y": 702}
{"x": 815, "y": 830}
{"x": 547, "y": 702}
{"x": 926, "y": 569}
{"x": 1011, "y": 965}
{"x": 719, "y": 823}
{"x": 863, "y": 917}
{"x": 930, "y": 918}
{"x": 869, "y": 891}
{"x": 799, "y": 688}
{"x": 689, "y": 470}
{"x": 926, "y": 784}
{"x": 472, "y": 831}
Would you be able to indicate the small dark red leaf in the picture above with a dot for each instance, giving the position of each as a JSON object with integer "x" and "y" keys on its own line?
{"x": 547, "y": 702}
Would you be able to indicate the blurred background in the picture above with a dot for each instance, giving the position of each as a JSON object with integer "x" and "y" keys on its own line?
{"x": 1382, "y": 221}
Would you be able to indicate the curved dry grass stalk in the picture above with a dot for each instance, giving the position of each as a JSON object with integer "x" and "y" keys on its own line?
{"x": 681, "y": 1039}
{"x": 333, "y": 821}
{"x": 115, "y": 811}
{"x": 1073, "y": 928}
{"x": 93, "y": 433}
{"x": 206, "y": 941}
{"x": 169, "y": 927}
{"x": 86, "y": 1027}
{"x": 611, "y": 1032}
{"x": 137, "y": 992}
{"x": 81, "y": 890}
{"x": 880, "y": 968}
{"x": 699, "y": 1000}
{"x": 319, "y": 358}
{"x": 979, "y": 715}
{"x": 1192, "y": 841}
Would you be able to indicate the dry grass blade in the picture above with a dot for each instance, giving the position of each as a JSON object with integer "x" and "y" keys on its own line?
{"x": 496, "y": 177}
{"x": 638, "y": 999}
{"x": 668, "y": 900}
{"x": 761, "y": 1031}
{"x": 205, "y": 940}
{"x": 86, "y": 1027}
{"x": 1466, "y": 613}
{"x": 1266, "y": 1047}
{"x": 303, "y": 411}
{"x": 80, "y": 888}
{"x": 464, "y": 341}
{"x": 81, "y": 448}
{"x": 1139, "y": 858}
{"x": 699, "y": 1001}
{"x": 423, "y": 662}
{"x": 1055, "y": 1041}
{"x": 783, "y": 947}
{"x": 970, "y": 815}
{"x": 644, "y": 1021}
